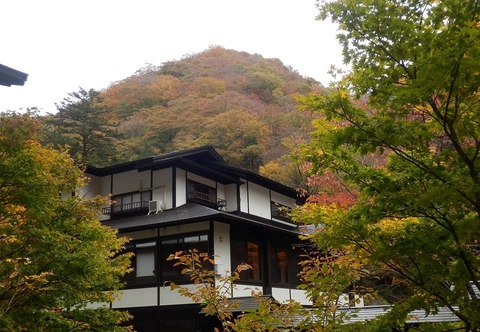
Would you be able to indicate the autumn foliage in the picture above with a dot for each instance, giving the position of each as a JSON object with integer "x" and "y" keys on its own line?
{"x": 56, "y": 259}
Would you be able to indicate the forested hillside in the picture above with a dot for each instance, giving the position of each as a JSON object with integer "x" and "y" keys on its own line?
{"x": 242, "y": 104}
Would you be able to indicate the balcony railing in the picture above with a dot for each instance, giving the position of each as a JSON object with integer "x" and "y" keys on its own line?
{"x": 125, "y": 208}
{"x": 204, "y": 199}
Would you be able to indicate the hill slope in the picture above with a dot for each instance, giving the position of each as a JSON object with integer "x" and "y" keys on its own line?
{"x": 242, "y": 104}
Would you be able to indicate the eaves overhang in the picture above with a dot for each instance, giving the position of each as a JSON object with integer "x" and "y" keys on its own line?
{"x": 10, "y": 76}
{"x": 195, "y": 156}
{"x": 192, "y": 213}
{"x": 258, "y": 179}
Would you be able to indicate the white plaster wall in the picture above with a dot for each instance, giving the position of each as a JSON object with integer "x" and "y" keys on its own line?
{"x": 201, "y": 179}
{"x": 244, "y": 197}
{"x": 92, "y": 188}
{"x": 170, "y": 297}
{"x": 221, "y": 191}
{"x": 286, "y": 294}
{"x": 180, "y": 229}
{"x": 130, "y": 181}
{"x": 162, "y": 180}
{"x": 281, "y": 294}
{"x": 221, "y": 247}
{"x": 139, "y": 297}
{"x": 231, "y": 197}
{"x": 97, "y": 305}
{"x": 282, "y": 199}
{"x": 359, "y": 301}
{"x": 259, "y": 200}
{"x": 244, "y": 290}
{"x": 300, "y": 296}
{"x": 181, "y": 187}
{"x": 105, "y": 185}
{"x": 146, "y": 234}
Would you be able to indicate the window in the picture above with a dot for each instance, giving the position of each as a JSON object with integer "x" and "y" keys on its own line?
{"x": 284, "y": 265}
{"x": 279, "y": 265}
{"x": 143, "y": 263}
{"x": 203, "y": 194}
{"x": 247, "y": 252}
{"x": 183, "y": 243}
{"x": 193, "y": 186}
{"x": 126, "y": 200}
{"x": 128, "y": 203}
{"x": 149, "y": 267}
{"x": 280, "y": 212}
{"x": 295, "y": 267}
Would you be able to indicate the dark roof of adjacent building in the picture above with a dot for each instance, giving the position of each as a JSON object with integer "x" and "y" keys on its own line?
{"x": 10, "y": 76}
{"x": 353, "y": 314}
{"x": 192, "y": 212}
{"x": 361, "y": 314}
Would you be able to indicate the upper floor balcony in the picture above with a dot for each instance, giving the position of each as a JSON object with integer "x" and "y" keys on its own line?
{"x": 205, "y": 199}
{"x": 117, "y": 209}
{"x": 141, "y": 203}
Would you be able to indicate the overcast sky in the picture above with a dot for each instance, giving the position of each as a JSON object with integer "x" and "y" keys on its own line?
{"x": 65, "y": 44}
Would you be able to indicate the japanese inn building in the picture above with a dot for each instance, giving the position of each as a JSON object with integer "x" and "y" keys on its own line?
{"x": 193, "y": 199}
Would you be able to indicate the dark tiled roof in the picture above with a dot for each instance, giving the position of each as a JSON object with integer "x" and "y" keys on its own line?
{"x": 189, "y": 213}
{"x": 353, "y": 314}
{"x": 197, "y": 155}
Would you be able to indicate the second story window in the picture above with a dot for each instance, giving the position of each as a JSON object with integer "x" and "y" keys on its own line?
{"x": 280, "y": 211}
{"x": 203, "y": 194}
{"x": 129, "y": 202}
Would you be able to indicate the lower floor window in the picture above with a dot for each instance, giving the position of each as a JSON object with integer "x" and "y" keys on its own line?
{"x": 279, "y": 266}
{"x": 185, "y": 244}
{"x": 145, "y": 257}
{"x": 284, "y": 265}
{"x": 149, "y": 263}
{"x": 143, "y": 263}
{"x": 247, "y": 252}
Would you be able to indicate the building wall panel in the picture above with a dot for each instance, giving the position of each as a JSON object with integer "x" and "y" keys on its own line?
{"x": 92, "y": 189}
{"x": 139, "y": 297}
{"x": 221, "y": 244}
{"x": 231, "y": 197}
{"x": 244, "y": 290}
{"x": 162, "y": 186}
{"x": 259, "y": 200}
{"x": 281, "y": 294}
{"x": 244, "y": 197}
{"x": 172, "y": 297}
{"x": 181, "y": 187}
{"x": 140, "y": 235}
{"x": 300, "y": 296}
{"x": 282, "y": 199}
{"x": 105, "y": 185}
{"x": 130, "y": 181}
{"x": 201, "y": 179}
